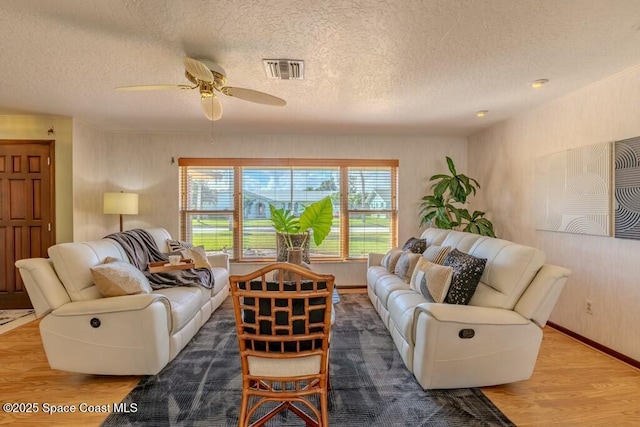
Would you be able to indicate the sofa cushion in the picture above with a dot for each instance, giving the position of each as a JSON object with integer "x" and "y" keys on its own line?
{"x": 73, "y": 261}
{"x": 431, "y": 280}
{"x": 401, "y": 305}
{"x": 390, "y": 259}
{"x": 436, "y": 254}
{"x": 119, "y": 278}
{"x": 405, "y": 265}
{"x": 463, "y": 241}
{"x": 415, "y": 245}
{"x": 185, "y": 302}
{"x": 386, "y": 285}
{"x": 509, "y": 270}
{"x": 434, "y": 236}
{"x": 220, "y": 278}
{"x": 467, "y": 271}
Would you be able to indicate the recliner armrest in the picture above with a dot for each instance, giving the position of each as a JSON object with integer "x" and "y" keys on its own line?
{"x": 542, "y": 294}
{"x": 374, "y": 259}
{"x": 111, "y": 305}
{"x": 471, "y": 315}
{"x": 219, "y": 260}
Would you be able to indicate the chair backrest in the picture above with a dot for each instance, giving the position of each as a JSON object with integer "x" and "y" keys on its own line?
{"x": 282, "y": 319}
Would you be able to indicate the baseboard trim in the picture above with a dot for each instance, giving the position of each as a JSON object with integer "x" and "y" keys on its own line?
{"x": 606, "y": 350}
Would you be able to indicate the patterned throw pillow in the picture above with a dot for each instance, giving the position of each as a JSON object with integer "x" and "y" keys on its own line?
{"x": 467, "y": 271}
{"x": 119, "y": 278}
{"x": 390, "y": 259}
{"x": 415, "y": 245}
{"x": 198, "y": 255}
{"x": 431, "y": 280}
{"x": 405, "y": 265}
{"x": 178, "y": 245}
{"x": 436, "y": 254}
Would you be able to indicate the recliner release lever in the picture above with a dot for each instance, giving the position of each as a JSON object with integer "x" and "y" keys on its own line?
{"x": 466, "y": 334}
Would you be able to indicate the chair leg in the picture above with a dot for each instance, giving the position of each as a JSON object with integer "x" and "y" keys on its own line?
{"x": 243, "y": 421}
{"x": 324, "y": 409}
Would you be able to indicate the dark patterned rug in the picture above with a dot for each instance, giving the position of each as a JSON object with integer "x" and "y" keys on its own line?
{"x": 370, "y": 384}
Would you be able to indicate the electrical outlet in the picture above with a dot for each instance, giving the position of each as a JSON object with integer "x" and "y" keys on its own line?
{"x": 588, "y": 306}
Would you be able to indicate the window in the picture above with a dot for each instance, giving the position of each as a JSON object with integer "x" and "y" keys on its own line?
{"x": 224, "y": 204}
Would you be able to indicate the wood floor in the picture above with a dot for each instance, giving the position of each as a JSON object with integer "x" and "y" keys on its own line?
{"x": 573, "y": 385}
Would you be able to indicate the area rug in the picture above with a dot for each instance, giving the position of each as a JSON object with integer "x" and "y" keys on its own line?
{"x": 370, "y": 384}
{"x": 7, "y": 316}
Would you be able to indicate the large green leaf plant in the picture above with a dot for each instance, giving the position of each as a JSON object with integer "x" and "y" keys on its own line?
{"x": 445, "y": 207}
{"x": 318, "y": 216}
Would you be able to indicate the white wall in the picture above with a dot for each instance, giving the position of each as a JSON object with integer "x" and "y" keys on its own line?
{"x": 605, "y": 269}
{"x": 90, "y": 181}
{"x": 142, "y": 163}
{"x": 35, "y": 128}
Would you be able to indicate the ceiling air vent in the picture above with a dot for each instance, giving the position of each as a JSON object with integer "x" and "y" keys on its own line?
{"x": 284, "y": 69}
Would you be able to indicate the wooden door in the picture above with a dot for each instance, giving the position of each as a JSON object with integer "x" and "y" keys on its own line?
{"x": 26, "y": 212}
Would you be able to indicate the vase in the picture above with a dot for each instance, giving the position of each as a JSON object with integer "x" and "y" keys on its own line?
{"x": 297, "y": 240}
{"x": 294, "y": 256}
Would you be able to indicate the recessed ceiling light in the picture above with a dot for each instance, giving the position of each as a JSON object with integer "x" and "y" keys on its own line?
{"x": 537, "y": 84}
{"x": 482, "y": 113}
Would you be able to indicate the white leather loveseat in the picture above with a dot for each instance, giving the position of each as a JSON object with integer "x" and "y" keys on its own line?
{"x": 123, "y": 335}
{"x": 493, "y": 340}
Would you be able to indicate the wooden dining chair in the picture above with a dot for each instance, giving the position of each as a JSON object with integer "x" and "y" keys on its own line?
{"x": 283, "y": 333}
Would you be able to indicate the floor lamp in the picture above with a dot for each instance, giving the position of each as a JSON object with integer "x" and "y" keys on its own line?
{"x": 120, "y": 204}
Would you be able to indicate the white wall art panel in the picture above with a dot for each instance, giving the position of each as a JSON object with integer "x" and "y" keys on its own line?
{"x": 573, "y": 191}
{"x": 627, "y": 188}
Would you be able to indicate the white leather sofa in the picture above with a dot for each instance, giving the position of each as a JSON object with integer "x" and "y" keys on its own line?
{"x": 493, "y": 340}
{"x": 124, "y": 335}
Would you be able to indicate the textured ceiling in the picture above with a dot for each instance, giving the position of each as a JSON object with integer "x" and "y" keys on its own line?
{"x": 371, "y": 66}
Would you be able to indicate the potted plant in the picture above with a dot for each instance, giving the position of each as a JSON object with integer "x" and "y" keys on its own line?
{"x": 318, "y": 217}
{"x": 444, "y": 208}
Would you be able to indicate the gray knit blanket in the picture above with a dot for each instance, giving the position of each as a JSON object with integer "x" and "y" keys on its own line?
{"x": 141, "y": 249}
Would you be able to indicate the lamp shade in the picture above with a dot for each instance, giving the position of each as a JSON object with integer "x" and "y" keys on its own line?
{"x": 120, "y": 203}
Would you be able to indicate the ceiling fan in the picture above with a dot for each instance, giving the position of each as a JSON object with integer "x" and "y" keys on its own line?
{"x": 209, "y": 78}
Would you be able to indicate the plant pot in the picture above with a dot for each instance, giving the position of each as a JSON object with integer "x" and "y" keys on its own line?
{"x": 294, "y": 256}
{"x": 298, "y": 240}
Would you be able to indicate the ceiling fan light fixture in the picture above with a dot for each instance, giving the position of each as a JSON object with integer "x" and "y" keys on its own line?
{"x": 284, "y": 69}
{"x": 211, "y": 106}
{"x": 537, "y": 84}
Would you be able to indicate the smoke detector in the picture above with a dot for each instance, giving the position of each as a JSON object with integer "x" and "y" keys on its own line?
{"x": 284, "y": 69}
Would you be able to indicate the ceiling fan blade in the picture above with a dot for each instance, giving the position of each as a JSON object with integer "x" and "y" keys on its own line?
{"x": 198, "y": 69}
{"x": 155, "y": 87}
{"x": 211, "y": 107}
{"x": 253, "y": 96}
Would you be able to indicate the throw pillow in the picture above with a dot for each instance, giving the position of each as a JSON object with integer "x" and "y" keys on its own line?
{"x": 415, "y": 245}
{"x": 178, "y": 245}
{"x": 467, "y": 271}
{"x": 405, "y": 265}
{"x": 431, "y": 280}
{"x": 436, "y": 254}
{"x": 198, "y": 255}
{"x": 434, "y": 283}
{"x": 119, "y": 278}
{"x": 390, "y": 259}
